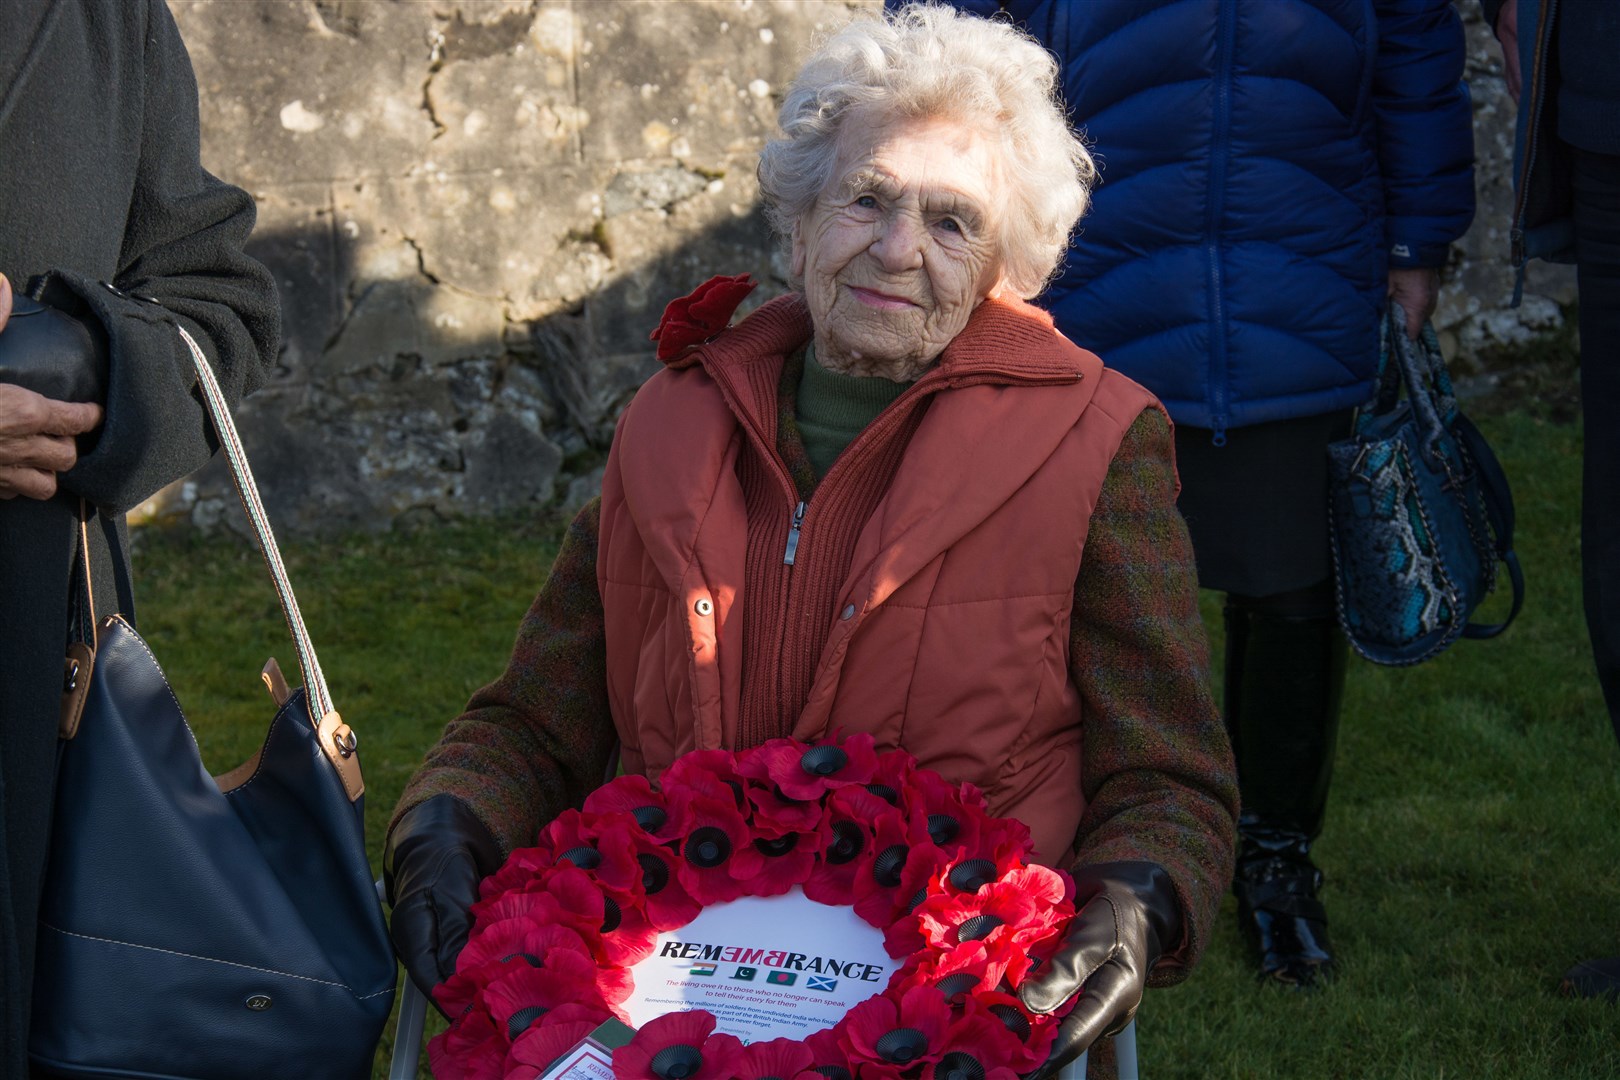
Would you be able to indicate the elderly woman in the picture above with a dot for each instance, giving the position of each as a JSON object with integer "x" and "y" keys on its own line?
{"x": 896, "y": 501}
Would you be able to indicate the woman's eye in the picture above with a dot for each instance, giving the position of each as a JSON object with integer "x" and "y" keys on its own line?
{"x": 867, "y": 202}
{"x": 950, "y": 225}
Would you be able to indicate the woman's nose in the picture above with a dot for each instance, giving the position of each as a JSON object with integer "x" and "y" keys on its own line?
{"x": 899, "y": 243}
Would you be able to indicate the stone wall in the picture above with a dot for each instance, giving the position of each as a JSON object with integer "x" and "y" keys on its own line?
{"x": 476, "y": 210}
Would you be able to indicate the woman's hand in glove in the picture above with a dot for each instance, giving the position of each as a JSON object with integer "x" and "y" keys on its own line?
{"x": 434, "y": 859}
{"x": 1129, "y": 916}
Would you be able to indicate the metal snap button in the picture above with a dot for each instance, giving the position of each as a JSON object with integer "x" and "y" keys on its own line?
{"x": 848, "y": 612}
{"x": 258, "y": 1002}
{"x": 704, "y": 607}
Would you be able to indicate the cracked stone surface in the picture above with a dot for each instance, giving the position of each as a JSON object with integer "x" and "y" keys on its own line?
{"x": 477, "y": 209}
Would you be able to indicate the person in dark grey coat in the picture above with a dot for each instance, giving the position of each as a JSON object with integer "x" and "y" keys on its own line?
{"x": 106, "y": 209}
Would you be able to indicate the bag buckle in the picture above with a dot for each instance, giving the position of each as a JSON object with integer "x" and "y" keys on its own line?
{"x": 345, "y": 741}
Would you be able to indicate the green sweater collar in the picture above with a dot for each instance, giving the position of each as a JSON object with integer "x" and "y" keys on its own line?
{"x": 832, "y": 409}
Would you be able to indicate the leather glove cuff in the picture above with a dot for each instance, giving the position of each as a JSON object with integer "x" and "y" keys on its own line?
{"x": 1145, "y": 885}
{"x": 440, "y": 821}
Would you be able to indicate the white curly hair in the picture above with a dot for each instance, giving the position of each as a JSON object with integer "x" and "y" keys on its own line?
{"x": 927, "y": 61}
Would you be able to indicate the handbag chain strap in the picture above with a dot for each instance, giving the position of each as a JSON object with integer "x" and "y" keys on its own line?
{"x": 314, "y": 680}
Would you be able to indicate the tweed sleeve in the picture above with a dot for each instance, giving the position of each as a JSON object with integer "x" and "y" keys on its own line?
{"x": 1158, "y": 775}
{"x": 538, "y": 739}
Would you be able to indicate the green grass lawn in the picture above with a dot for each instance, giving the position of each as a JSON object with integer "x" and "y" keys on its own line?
{"x": 1473, "y": 842}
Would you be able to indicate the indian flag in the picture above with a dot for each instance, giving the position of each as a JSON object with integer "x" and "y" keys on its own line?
{"x": 702, "y": 969}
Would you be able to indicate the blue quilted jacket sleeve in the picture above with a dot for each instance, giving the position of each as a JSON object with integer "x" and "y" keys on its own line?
{"x": 1425, "y": 130}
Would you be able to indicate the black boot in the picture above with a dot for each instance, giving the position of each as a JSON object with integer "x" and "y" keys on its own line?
{"x": 1284, "y": 682}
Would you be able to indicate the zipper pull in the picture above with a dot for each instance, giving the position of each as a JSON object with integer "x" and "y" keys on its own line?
{"x": 793, "y": 536}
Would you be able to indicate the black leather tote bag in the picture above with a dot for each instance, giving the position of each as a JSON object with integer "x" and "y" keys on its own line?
{"x": 197, "y": 926}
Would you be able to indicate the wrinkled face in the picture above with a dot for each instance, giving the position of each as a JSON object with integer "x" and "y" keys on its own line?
{"x": 902, "y": 245}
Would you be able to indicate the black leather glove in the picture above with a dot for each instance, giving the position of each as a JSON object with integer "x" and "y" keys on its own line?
{"x": 1128, "y": 916}
{"x": 434, "y": 859}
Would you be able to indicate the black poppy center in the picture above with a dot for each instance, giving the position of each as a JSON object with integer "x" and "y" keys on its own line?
{"x": 654, "y": 873}
{"x": 533, "y": 961}
{"x": 649, "y": 817}
{"x": 884, "y": 792}
{"x": 833, "y": 1072}
{"x": 954, "y": 986}
{"x": 902, "y": 1046}
{"x": 707, "y": 847}
{"x": 916, "y": 901}
{"x": 888, "y": 864}
{"x": 823, "y": 760}
{"x": 676, "y": 1062}
{"x": 848, "y": 842}
{"x": 959, "y": 1066}
{"x": 1015, "y": 1021}
{"x": 520, "y": 1021}
{"x": 779, "y": 846}
{"x": 611, "y": 915}
{"x": 977, "y": 928}
{"x": 970, "y": 875}
{"x": 942, "y": 828}
{"x": 584, "y": 857}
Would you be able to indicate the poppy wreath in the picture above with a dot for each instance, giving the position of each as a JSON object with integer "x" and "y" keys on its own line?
{"x": 558, "y": 928}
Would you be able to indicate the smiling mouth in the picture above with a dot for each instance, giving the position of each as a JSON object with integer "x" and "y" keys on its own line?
{"x": 882, "y": 300}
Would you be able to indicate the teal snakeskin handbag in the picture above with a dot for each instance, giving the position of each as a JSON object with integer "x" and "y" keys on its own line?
{"x": 1420, "y": 512}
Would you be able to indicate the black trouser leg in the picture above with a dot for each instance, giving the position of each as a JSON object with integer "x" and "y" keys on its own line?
{"x": 1285, "y": 666}
{"x": 1597, "y": 240}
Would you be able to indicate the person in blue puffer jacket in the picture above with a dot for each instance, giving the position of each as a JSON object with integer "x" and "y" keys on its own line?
{"x": 1274, "y": 173}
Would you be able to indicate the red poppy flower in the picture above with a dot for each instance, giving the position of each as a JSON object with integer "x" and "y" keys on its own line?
{"x": 629, "y": 864}
{"x": 659, "y": 892}
{"x": 714, "y": 835}
{"x": 951, "y": 814}
{"x": 895, "y": 910}
{"x": 706, "y": 773}
{"x": 512, "y": 938}
{"x": 776, "y": 1059}
{"x": 472, "y": 1049}
{"x": 900, "y": 1034}
{"x": 522, "y": 998}
{"x": 707, "y": 1056}
{"x": 542, "y": 1044}
{"x": 1006, "y": 843}
{"x": 510, "y": 941}
{"x": 828, "y": 1052}
{"x": 764, "y": 871}
{"x": 769, "y": 812}
{"x": 806, "y": 772}
{"x": 848, "y": 836}
{"x": 700, "y": 315}
{"x": 1029, "y": 1035}
{"x": 633, "y": 795}
{"x": 957, "y": 973}
{"x": 892, "y": 775}
{"x": 517, "y": 871}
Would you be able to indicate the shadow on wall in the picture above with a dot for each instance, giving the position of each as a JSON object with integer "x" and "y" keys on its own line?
{"x": 399, "y": 399}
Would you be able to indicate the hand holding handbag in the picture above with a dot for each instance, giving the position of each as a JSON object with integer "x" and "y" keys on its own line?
{"x": 47, "y": 346}
{"x": 196, "y": 926}
{"x": 1420, "y": 512}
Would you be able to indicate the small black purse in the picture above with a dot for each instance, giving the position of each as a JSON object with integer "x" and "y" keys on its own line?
{"x": 1420, "y": 512}
{"x": 205, "y": 927}
{"x": 46, "y": 350}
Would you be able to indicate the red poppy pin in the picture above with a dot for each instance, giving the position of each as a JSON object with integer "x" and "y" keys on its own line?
{"x": 695, "y": 318}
